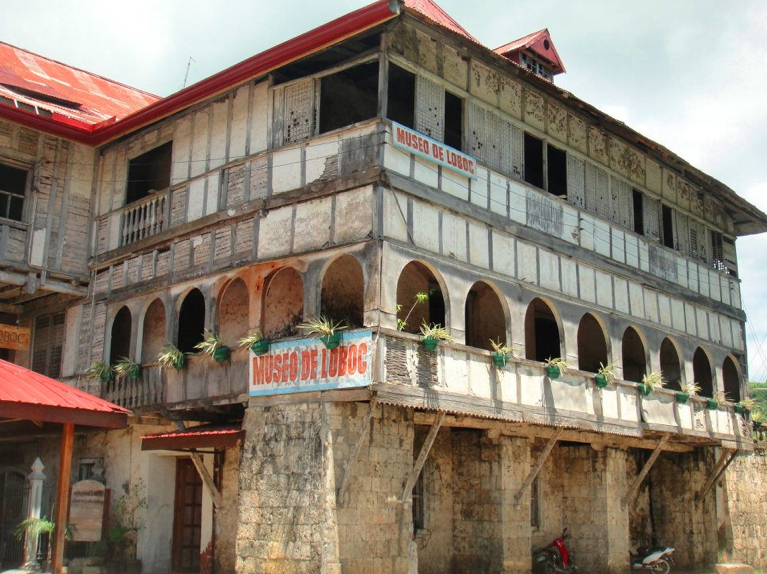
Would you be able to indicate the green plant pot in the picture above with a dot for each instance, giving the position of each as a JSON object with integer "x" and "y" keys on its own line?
{"x": 134, "y": 372}
{"x": 711, "y": 404}
{"x": 600, "y": 380}
{"x": 430, "y": 343}
{"x": 552, "y": 372}
{"x": 331, "y": 341}
{"x": 644, "y": 390}
{"x": 500, "y": 360}
{"x": 106, "y": 376}
{"x": 740, "y": 409}
{"x": 757, "y": 425}
{"x": 681, "y": 397}
{"x": 180, "y": 362}
{"x": 221, "y": 354}
{"x": 260, "y": 347}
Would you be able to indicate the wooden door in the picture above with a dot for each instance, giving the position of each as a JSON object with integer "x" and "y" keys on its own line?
{"x": 187, "y": 517}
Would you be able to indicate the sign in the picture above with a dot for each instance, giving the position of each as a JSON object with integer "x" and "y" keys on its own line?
{"x": 16, "y": 338}
{"x": 306, "y": 365}
{"x": 86, "y": 511}
{"x": 433, "y": 150}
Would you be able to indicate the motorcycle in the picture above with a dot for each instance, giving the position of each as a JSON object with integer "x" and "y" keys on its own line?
{"x": 656, "y": 559}
{"x": 554, "y": 558}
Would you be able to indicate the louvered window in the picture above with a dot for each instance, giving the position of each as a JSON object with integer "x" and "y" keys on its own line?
{"x": 48, "y": 345}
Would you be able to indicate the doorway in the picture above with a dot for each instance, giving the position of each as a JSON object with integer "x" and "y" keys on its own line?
{"x": 13, "y": 507}
{"x": 187, "y": 518}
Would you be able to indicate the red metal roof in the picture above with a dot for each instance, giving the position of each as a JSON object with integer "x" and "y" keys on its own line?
{"x": 204, "y": 436}
{"x": 437, "y": 15}
{"x": 56, "y": 88}
{"x": 27, "y": 395}
{"x": 537, "y": 43}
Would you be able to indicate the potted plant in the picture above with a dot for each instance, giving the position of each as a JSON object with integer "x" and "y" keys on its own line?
{"x": 37, "y": 527}
{"x": 171, "y": 356}
{"x": 744, "y": 406}
{"x": 127, "y": 367}
{"x": 605, "y": 375}
{"x": 432, "y": 334}
{"x": 118, "y": 547}
{"x": 501, "y": 353}
{"x": 757, "y": 418}
{"x": 689, "y": 389}
{"x": 211, "y": 345}
{"x": 327, "y": 330}
{"x": 650, "y": 383}
{"x": 256, "y": 342}
{"x": 713, "y": 402}
{"x": 419, "y": 298}
{"x": 100, "y": 370}
{"x": 555, "y": 367}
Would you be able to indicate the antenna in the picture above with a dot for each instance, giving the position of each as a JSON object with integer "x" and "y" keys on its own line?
{"x": 188, "y": 65}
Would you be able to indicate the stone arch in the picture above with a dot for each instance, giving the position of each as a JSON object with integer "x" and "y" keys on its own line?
{"x": 191, "y": 320}
{"x": 731, "y": 378}
{"x": 343, "y": 291}
{"x": 283, "y": 306}
{"x": 153, "y": 331}
{"x": 702, "y": 372}
{"x": 233, "y": 312}
{"x": 417, "y": 277}
{"x": 593, "y": 348}
{"x": 543, "y": 331}
{"x": 671, "y": 364}
{"x": 634, "y": 355}
{"x": 120, "y": 335}
{"x": 485, "y": 315}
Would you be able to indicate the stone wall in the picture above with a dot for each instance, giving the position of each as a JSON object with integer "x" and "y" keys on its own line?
{"x": 227, "y": 515}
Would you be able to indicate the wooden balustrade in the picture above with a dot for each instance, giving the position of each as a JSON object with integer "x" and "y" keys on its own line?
{"x": 147, "y": 390}
{"x": 144, "y": 218}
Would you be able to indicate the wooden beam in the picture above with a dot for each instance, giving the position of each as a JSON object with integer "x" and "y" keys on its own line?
{"x": 199, "y": 464}
{"x": 419, "y": 462}
{"x": 355, "y": 453}
{"x": 632, "y": 491}
{"x": 62, "y": 498}
{"x": 719, "y": 468}
{"x": 537, "y": 467}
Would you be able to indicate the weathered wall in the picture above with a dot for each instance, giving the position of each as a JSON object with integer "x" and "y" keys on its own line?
{"x": 743, "y": 532}
{"x": 227, "y": 515}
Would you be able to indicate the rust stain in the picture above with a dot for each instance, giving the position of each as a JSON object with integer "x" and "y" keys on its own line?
{"x": 206, "y": 559}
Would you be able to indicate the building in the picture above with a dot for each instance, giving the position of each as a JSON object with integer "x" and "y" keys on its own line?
{"x": 381, "y": 156}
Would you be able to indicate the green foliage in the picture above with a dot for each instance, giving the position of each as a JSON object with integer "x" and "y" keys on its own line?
{"x": 321, "y": 326}
{"x": 653, "y": 381}
{"x": 557, "y": 362}
{"x": 721, "y": 397}
{"x": 38, "y": 526}
{"x": 607, "y": 371}
{"x": 419, "y": 299}
{"x": 435, "y": 331}
{"x": 99, "y": 370}
{"x": 170, "y": 356}
{"x": 691, "y": 388}
{"x": 251, "y": 339}
{"x": 126, "y": 367}
{"x": 501, "y": 348}
{"x": 120, "y": 540}
{"x": 210, "y": 342}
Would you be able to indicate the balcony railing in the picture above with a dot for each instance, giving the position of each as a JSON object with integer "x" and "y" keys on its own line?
{"x": 144, "y": 218}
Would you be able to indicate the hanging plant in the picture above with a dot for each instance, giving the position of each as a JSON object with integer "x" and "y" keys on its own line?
{"x": 171, "y": 356}
{"x": 690, "y": 389}
{"x": 326, "y": 328}
{"x": 256, "y": 342}
{"x": 100, "y": 370}
{"x": 501, "y": 353}
{"x": 650, "y": 383}
{"x": 555, "y": 367}
{"x": 432, "y": 334}
{"x": 605, "y": 375}
{"x": 126, "y": 367}
{"x": 211, "y": 345}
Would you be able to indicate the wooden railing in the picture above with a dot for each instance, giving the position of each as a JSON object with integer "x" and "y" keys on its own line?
{"x": 147, "y": 390}
{"x": 144, "y": 218}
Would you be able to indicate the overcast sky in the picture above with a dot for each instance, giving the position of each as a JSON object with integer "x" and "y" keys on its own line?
{"x": 689, "y": 74}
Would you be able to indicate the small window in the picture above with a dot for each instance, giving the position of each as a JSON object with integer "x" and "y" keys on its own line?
{"x": 348, "y": 97}
{"x": 453, "y": 121}
{"x": 557, "y": 171}
{"x": 638, "y": 212}
{"x": 717, "y": 251}
{"x": 668, "y": 227}
{"x": 533, "y": 161}
{"x": 419, "y": 512}
{"x": 149, "y": 172}
{"x": 13, "y": 185}
{"x": 535, "y": 504}
{"x": 401, "y": 102}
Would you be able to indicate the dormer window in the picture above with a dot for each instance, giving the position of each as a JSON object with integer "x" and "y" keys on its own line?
{"x": 536, "y": 66}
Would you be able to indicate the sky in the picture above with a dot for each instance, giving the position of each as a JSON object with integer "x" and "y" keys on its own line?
{"x": 688, "y": 74}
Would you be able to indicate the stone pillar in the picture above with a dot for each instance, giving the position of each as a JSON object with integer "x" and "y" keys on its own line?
{"x": 515, "y": 518}
{"x": 35, "y": 478}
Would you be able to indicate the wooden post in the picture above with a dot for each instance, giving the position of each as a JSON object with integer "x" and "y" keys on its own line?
{"x": 718, "y": 471}
{"x": 199, "y": 464}
{"x": 648, "y": 465}
{"x": 62, "y": 498}
{"x": 538, "y": 465}
{"x": 430, "y": 438}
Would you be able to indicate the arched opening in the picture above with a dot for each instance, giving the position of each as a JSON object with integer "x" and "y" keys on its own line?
{"x": 731, "y": 380}
{"x": 119, "y": 345}
{"x": 485, "y": 317}
{"x": 419, "y": 298}
{"x": 343, "y": 292}
{"x": 233, "y": 312}
{"x": 542, "y": 339}
{"x": 670, "y": 365}
{"x": 592, "y": 345}
{"x": 701, "y": 368}
{"x": 283, "y": 303}
{"x": 191, "y": 321}
{"x": 153, "y": 336}
{"x": 634, "y": 356}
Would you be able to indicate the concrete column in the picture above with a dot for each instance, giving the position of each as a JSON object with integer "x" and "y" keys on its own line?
{"x": 515, "y": 518}
{"x": 35, "y": 478}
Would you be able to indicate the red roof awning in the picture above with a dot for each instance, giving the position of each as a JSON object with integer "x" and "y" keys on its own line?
{"x": 205, "y": 436}
{"x": 26, "y": 395}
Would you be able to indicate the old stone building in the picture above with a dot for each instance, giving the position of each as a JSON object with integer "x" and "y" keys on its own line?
{"x": 385, "y": 170}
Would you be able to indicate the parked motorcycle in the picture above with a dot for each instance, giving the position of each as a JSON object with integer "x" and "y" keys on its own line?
{"x": 554, "y": 558}
{"x": 655, "y": 559}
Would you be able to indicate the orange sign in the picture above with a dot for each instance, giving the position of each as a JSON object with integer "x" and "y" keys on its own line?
{"x": 16, "y": 338}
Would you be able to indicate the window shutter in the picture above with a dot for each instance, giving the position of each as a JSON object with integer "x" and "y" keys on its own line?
{"x": 576, "y": 192}
{"x": 651, "y": 218}
{"x": 683, "y": 233}
{"x": 597, "y": 187}
{"x": 621, "y": 198}
{"x": 430, "y": 108}
{"x": 298, "y": 122}
{"x": 477, "y": 133}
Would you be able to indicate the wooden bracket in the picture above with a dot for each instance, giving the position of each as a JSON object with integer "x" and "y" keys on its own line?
{"x": 355, "y": 453}
{"x": 634, "y": 488}
{"x": 419, "y": 462}
{"x": 717, "y": 472}
{"x": 538, "y": 466}
{"x": 203, "y": 471}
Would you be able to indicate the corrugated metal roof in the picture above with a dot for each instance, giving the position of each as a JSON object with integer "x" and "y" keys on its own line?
{"x": 54, "y": 87}
{"x": 436, "y": 14}
{"x": 24, "y": 387}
